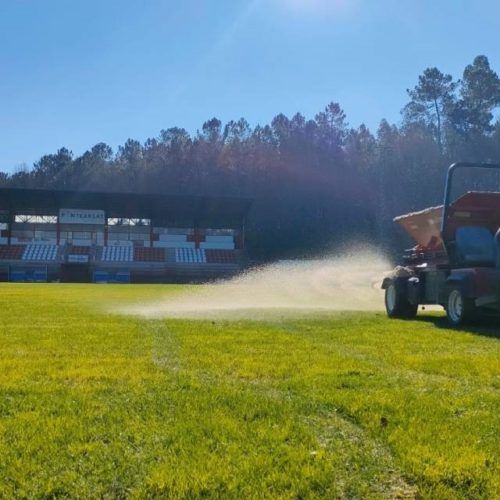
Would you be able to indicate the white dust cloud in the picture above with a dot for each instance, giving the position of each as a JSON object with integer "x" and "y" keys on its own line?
{"x": 349, "y": 282}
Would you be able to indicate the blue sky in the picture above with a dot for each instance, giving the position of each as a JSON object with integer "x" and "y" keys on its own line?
{"x": 74, "y": 73}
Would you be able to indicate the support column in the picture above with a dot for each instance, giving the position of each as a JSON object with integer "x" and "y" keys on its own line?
{"x": 242, "y": 236}
{"x": 9, "y": 227}
{"x": 196, "y": 237}
{"x": 105, "y": 229}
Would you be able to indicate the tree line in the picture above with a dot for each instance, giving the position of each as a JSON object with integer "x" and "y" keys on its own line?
{"x": 318, "y": 184}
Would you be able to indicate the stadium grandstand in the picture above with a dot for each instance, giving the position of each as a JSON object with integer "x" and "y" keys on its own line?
{"x": 72, "y": 236}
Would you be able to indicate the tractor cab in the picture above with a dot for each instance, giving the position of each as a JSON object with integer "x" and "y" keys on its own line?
{"x": 456, "y": 260}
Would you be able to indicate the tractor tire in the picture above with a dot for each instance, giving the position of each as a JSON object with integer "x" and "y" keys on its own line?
{"x": 459, "y": 309}
{"x": 396, "y": 301}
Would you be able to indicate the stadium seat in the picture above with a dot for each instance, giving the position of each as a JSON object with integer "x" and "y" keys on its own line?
{"x": 117, "y": 254}
{"x": 40, "y": 252}
{"x": 77, "y": 254}
{"x": 12, "y": 252}
{"x": 190, "y": 256}
{"x": 143, "y": 254}
{"x": 79, "y": 250}
{"x": 220, "y": 256}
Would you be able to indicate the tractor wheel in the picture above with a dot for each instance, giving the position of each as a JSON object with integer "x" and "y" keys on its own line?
{"x": 396, "y": 301}
{"x": 459, "y": 309}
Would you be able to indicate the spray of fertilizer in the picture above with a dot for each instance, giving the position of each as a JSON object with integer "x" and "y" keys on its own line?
{"x": 344, "y": 283}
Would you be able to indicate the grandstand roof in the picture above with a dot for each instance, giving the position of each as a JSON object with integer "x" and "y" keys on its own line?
{"x": 180, "y": 211}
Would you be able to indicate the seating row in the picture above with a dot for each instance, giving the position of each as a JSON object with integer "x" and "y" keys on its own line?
{"x": 121, "y": 254}
{"x": 203, "y": 256}
{"x": 79, "y": 250}
{"x": 144, "y": 254}
{"x": 118, "y": 254}
{"x": 11, "y": 252}
{"x": 130, "y": 254}
{"x": 190, "y": 256}
{"x": 40, "y": 252}
{"x": 221, "y": 256}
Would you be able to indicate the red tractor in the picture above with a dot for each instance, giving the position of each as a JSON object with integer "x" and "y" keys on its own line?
{"x": 456, "y": 262}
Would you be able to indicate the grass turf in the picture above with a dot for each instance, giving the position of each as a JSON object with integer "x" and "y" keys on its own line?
{"x": 94, "y": 404}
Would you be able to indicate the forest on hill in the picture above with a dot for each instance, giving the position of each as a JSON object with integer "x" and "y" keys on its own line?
{"x": 317, "y": 183}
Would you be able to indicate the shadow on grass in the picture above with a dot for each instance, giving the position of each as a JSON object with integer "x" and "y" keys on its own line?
{"x": 485, "y": 326}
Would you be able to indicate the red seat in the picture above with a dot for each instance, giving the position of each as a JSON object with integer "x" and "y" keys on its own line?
{"x": 79, "y": 250}
{"x": 220, "y": 256}
{"x": 144, "y": 254}
{"x": 11, "y": 252}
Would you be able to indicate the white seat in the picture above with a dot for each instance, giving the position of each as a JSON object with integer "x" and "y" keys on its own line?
{"x": 40, "y": 252}
{"x": 117, "y": 254}
{"x": 190, "y": 255}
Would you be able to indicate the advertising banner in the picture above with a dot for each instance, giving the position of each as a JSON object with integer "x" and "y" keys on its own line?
{"x": 78, "y": 259}
{"x": 80, "y": 216}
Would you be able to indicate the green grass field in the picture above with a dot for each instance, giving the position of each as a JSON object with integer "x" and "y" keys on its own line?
{"x": 94, "y": 404}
